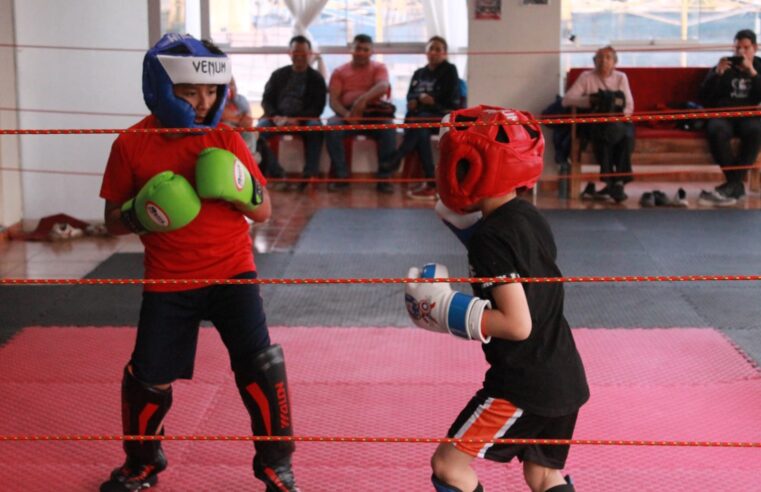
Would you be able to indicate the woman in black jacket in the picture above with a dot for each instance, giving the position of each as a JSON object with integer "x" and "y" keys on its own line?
{"x": 434, "y": 91}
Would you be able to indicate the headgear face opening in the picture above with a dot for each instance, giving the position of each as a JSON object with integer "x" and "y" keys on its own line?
{"x": 182, "y": 59}
{"x": 503, "y": 151}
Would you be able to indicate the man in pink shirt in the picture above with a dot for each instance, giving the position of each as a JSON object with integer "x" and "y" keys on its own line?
{"x": 354, "y": 89}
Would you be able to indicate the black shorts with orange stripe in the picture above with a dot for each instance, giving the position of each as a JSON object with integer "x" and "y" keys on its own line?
{"x": 485, "y": 417}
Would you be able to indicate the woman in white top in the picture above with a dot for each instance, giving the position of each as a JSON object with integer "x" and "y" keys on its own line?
{"x": 606, "y": 90}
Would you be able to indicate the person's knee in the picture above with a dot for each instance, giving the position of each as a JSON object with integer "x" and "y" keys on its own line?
{"x": 541, "y": 478}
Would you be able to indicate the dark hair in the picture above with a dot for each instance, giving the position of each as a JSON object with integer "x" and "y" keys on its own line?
{"x": 440, "y": 40}
{"x": 746, "y": 34}
{"x": 300, "y": 39}
{"x": 212, "y": 47}
{"x": 362, "y": 38}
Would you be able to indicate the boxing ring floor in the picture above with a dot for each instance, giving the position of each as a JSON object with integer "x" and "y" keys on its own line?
{"x": 666, "y": 361}
{"x": 653, "y": 384}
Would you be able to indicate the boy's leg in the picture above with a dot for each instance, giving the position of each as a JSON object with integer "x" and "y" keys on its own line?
{"x": 452, "y": 471}
{"x": 263, "y": 386}
{"x": 164, "y": 351}
{"x": 542, "y": 464}
{"x": 259, "y": 367}
{"x": 542, "y": 479}
{"x": 143, "y": 410}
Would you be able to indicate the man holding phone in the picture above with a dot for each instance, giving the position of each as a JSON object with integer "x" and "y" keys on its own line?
{"x": 733, "y": 83}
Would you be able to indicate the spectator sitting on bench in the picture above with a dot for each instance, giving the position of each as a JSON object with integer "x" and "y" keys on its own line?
{"x": 434, "y": 91}
{"x": 606, "y": 90}
{"x": 294, "y": 91}
{"x": 237, "y": 113}
{"x": 356, "y": 89}
{"x": 733, "y": 82}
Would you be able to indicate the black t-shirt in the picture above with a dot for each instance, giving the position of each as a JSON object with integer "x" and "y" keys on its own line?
{"x": 544, "y": 373}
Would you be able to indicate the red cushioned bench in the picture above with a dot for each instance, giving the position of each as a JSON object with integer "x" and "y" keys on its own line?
{"x": 656, "y": 143}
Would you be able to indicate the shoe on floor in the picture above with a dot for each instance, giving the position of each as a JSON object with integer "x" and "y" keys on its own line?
{"x": 617, "y": 193}
{"x": 680, "y": 199}
{"x": 63, "y": 231}
{"x": 732, "y": 189}
{"x": 423, "y": 192}
{"x": 603, "y": 194}
{"x": 385, "y": 188}
{"x": 589, "y": 192}
{"x": 129, "y": 477}
{"x": 647, "y": 200}
{"x": 660, "y": 199}
{"x": 715, "y": 199}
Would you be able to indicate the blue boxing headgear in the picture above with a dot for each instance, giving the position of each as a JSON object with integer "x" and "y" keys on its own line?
{"x": 182, "y": 59}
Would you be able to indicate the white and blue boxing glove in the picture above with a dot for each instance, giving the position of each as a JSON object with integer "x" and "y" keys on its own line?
{"x": 436, "y": 307}
{"x": 463, "y": 226}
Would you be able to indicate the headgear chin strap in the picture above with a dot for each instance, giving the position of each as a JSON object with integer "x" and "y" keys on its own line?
{"x": 182, "y": 59}
{"x": 501, "y": 152}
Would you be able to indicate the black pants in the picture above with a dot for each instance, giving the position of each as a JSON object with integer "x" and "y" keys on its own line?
{"x": 720, "y": 132}
{"x": 613, "y": 144}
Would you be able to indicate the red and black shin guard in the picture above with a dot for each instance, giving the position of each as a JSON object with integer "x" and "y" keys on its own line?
{"x": 143, "y": 410}
{"x": 263, "y": 386}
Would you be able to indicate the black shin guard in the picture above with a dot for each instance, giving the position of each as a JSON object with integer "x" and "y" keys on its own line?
{"x": 263, "y": 385}
{"x": 143, "y": 412}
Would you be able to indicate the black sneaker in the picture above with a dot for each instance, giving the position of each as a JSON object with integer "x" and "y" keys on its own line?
{"x": 385, "y": 188}
{"x": 589, "y": 192}
{"x": 715, "y": 199}
{"x": 647, "y": 200}
{"x": 617, "y": 193}
{"x": 734, "y": 189}
{"x": 277, "y": 478}
{"x": 130, "y": 477}
{"x": 603, "y": 194}
{"x": 660, "y": 198}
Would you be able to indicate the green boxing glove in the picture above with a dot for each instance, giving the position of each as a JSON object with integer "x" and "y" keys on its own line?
{"x": 167, "y": 202}
{"x": 220, "y": 175}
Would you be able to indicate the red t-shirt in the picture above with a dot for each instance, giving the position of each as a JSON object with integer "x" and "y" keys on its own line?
{"x": 352, "y": 81}
{"x": 216, "y": 244}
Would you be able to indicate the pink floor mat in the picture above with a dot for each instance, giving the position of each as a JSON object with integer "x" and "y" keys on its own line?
{"x": 655, "y": 384}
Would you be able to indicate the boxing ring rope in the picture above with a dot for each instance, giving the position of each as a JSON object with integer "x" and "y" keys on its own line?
{"x": 633, "y": 118}
{"x": 361, "y": 439}
{"x": 651, "y": 116}
{"x": 387, "y": 281}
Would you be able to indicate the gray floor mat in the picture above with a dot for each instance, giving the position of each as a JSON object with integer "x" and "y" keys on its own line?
{"x": 365, "y": 243}
{"x": 632, "y": 305}
{"x": 374, "y": 231}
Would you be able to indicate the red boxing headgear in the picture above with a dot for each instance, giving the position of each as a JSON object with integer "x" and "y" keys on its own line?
{"x": 502, "y": 152}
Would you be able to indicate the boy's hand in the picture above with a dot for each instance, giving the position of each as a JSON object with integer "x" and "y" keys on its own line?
{"x": 436, "y": 307}
{"x": 166, "y": 203}
{"x": 221, "y": 176}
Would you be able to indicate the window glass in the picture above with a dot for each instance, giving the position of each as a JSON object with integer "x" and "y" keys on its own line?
{"x": 267, "y": 25}
{"x": 182, "y": 16}
{"x": 649, "y": 23}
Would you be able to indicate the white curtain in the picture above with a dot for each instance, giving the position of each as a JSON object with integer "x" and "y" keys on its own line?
{"x": 304, "y": 12}
{"x": 436, "y": 14}
{"x": 447, "y": 18}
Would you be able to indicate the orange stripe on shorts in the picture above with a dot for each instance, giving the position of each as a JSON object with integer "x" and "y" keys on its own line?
{"x": 490, "y": 420}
